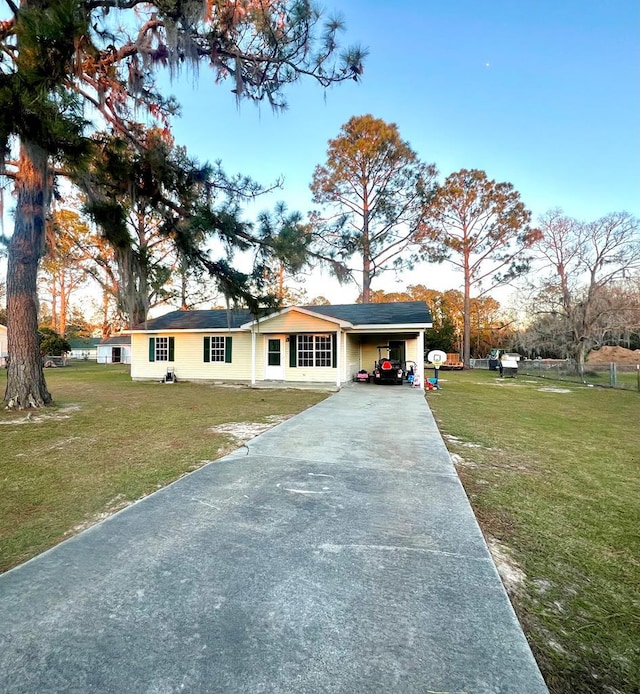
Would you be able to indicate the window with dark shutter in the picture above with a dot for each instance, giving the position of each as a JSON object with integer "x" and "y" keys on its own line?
{"x": 217, "y": 348}
{"x": 314, "y": 351}
{"x": 293, "y": 358}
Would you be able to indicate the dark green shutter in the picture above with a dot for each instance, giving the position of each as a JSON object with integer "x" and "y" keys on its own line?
{"x": 172, "y": 348}
{"x": 293, "y": 344}
{"x": 152, "y": 349}
{"x": 227, "y": 350}
{"x": 334, "y": 350}
{"x": 207, "y": 349}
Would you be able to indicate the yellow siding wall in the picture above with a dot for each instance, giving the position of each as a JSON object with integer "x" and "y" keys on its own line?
{"x": 189, "y": 363}
{"x": 352, "y": 357}
{"x": 412, "y": 350}
{"x": 369, "y": 353}
{"x": 294, "y": 322}
{"x": 357, "y": 352}
{"x": 307, "y": 374}
{"x": 292, "y": 374}
{"x": 140, "y": 366}
{"x": 261, "y": 354}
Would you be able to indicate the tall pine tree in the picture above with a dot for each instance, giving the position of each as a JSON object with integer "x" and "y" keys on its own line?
{"x": 66, "y": 60}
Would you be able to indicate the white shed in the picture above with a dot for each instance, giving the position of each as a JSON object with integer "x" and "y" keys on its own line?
{"x": 115, "y": 350}
{"x": 84, "y": 348}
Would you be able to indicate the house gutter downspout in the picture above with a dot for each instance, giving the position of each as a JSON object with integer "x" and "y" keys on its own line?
{"x": 338, "y": 355}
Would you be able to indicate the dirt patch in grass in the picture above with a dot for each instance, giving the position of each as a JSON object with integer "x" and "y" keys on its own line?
{"x": 485, "y": 457}
{"x": 116, "y": 504}
{"x": 245, "y": 431}
{"x": 455, "y": 441}
{"x": 35, "y": 417}
{"x": 512, "y": 575}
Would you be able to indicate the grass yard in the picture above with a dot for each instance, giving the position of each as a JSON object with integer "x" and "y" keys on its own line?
{"x": 108, "y": 441}
{"x": 626, "y": 377}
{"x": 553, "y": 473}
{"x": 552, "y": 470}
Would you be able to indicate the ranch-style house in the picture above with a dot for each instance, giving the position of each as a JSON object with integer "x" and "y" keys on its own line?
{"x": 293, "y": 345}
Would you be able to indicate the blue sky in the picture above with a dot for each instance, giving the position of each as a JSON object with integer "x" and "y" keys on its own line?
{"x": 544, "y": 94}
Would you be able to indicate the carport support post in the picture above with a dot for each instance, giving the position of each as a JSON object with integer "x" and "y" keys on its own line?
{"x": 420, "y": 358}
{"x": 338, "y": 354}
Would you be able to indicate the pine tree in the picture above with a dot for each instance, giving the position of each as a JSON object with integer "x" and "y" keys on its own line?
{"x": 374, "y": 193}
{"x": 483, "y": 229}
{"x": 64, "y": 61}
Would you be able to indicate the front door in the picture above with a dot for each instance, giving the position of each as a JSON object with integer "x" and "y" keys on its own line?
{"x": 397, "y": 351}
{"x": 274, "y": 369}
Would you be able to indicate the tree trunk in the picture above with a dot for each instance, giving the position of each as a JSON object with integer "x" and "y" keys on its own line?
{"x": 581, "y": 358}
{"x": 281, "y": 281}
{"x": 366, "y": 283}
{"x": 26, "y": 385}
{"x": 466, "y": 330}
{"x": 183, "y": 288}
{"x": 106, "y": 298}
{"x": 366, "y": 256}
{"x": 133, "y": 287}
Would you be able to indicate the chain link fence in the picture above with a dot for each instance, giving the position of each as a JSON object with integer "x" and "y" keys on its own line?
{"x": 611, "y": 375}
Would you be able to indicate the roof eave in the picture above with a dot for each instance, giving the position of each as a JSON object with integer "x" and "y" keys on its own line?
{"x": 391, "y": 326}
{"x": 240, "y": 329}
{"x": 298, "y": 309}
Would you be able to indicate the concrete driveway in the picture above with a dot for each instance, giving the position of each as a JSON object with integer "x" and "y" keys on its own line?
{"x": 336, "y": 553}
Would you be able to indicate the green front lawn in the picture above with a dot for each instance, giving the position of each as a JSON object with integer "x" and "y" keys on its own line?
{"x": 553, "y": 473}
{"x": 554, "y": 478}
{"x": 108, "y": 441}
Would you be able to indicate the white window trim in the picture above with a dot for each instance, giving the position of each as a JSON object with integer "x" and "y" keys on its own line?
{"x": 317, "y": 353}
{"x": 217, "y": 351}
{"x": 161, "y": 350}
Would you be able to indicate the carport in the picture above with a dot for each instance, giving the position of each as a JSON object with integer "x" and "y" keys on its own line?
{"x": 361, "y": 329}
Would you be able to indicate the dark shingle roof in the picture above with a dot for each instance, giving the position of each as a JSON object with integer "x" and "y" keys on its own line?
{"x": 198, "y": 320}
{"x": 377, "y": 314}
{"x": 400, "y": 313}
{"x": 116, "y": 340}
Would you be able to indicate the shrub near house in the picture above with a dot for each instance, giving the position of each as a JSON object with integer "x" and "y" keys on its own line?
{"x": 52, "y": 345}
